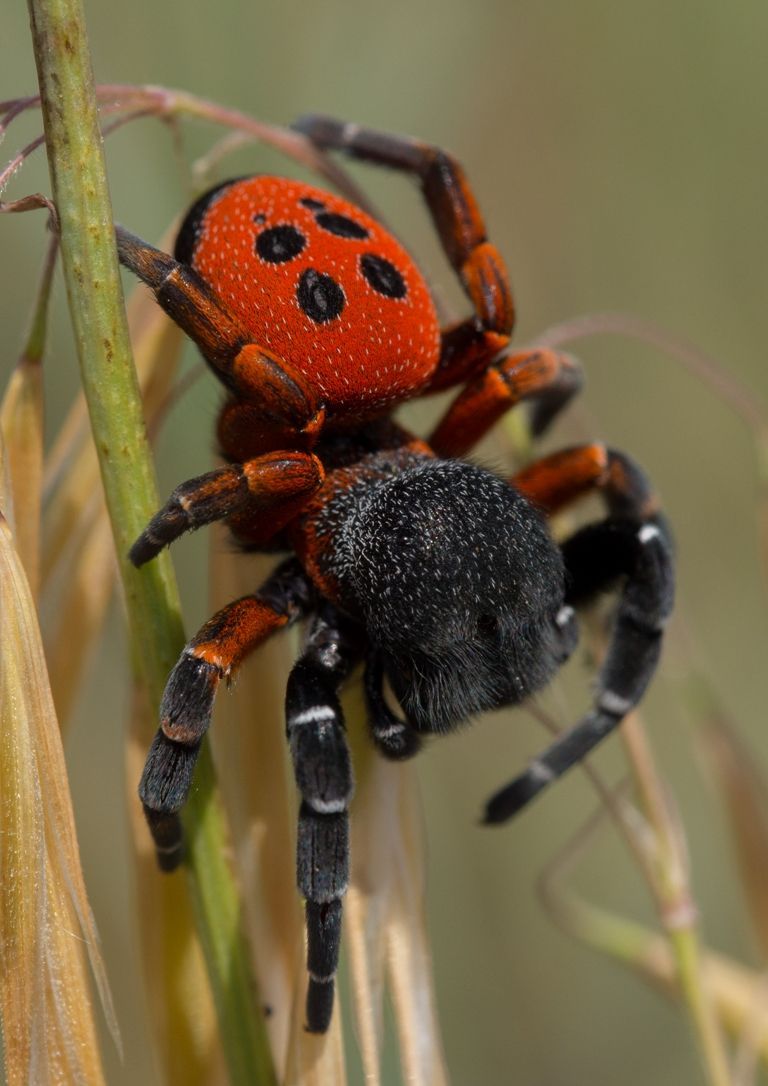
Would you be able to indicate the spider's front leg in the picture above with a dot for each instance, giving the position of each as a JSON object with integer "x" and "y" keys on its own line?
{"x": 282, "y": 411}
{"x": 268, "y": 490}
{"x": 548, "y": 379}
{"x": 469, "y": 348}
{"x": 632, "y": 544}
{"x": 287, "y": 402}
{"x": 323, "y": 771}
{"x": 185, "y": 711}
{"x": 451, "y": 203}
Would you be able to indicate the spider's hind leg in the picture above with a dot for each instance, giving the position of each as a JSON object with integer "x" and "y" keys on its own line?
{"x": 323, "y": 771}
{"x": 632, "y": 545}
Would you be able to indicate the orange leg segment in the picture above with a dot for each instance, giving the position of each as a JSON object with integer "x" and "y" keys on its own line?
{"x": 465, "y": 350}
{"x": 267, "y": 491}
{"x": 547, "y": 377}
{"x": 185, "y": 711}
{"x": 284, "y": 397}
{"x": 559, "y": 479}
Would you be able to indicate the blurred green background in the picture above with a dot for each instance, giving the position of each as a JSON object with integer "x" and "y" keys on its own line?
{"x": 619, "y": 154}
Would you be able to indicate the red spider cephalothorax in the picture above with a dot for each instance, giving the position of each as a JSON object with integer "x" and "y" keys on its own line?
{"x": 438, "y": 575}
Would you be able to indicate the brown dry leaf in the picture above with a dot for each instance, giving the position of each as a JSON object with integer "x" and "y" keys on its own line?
{"x": 46, "y": 926}
{"x": 73, "y": 627}
{"x": 364, "y": 935}
{"x": 746, "y": 799}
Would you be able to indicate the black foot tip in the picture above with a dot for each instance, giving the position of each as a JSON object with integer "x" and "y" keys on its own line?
{"x": 319, "y": 1007}
{"x": 401, "y": 746}
{"x": 170, "y": 860}
{"x": 142, "y": 552}
{"x": 509, "y": 801}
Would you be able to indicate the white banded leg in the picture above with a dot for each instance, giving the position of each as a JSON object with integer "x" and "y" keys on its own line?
{"x": 640, "y": 552}
{"x": 323, "y": 771}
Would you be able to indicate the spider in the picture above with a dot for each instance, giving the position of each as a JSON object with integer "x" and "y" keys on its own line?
{"x": 436, "y": 574}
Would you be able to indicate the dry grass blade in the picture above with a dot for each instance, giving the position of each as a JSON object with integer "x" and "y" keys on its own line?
{"x": 21, "y": 423}
{"x": 675, "y": 901}
{"x": 737, "y": 992}
{"x": 385, "y": 926}
{"x": 184, "y": 1024}
{"x": 314, "y": 1060}
{"x": 250, "y": 752}
{"x": 746, "y": 801}
{"x": 46, "y": 926}
{"x": 73, "y": 627}
{"x": 78, "y": 553}
{"x": 409, "y": 964}
{"x": 71, "y": 471}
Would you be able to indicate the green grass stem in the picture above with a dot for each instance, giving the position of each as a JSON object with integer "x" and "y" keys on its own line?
{"x": 98, "y": 319}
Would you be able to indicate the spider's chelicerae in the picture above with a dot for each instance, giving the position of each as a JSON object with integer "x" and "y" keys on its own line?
{"x": 442, "y": 577}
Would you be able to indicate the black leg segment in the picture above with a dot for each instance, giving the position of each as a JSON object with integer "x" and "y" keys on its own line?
{"x": 323, "y": 771}
{"x": 395, "y": 738}
{"x": 640, "y": 552}
{"x": 451, "y": 203}
{"x": 185, "y": 711}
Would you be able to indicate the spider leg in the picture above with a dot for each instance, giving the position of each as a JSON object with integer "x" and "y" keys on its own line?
{"x": 466, "y": 349}
{"x": 185, "y": 711}
{"x": 469, "y": 347}
{"x": 450, "y": 201}
{"x": 395, "y": 738}
{"x": 275, "y": 482}
{"x": 323, "y": 771}
{"x": 285, "y": 398}
{"x": 547, "y": 378}
{"x": 569, "y": 474}
{"x": 632, "y": 543}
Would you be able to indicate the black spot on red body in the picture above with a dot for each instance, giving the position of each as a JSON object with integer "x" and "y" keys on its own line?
{"x": 313, "y": 205}
{"x": 383, "y": 276}
{"x": 341, "y": 225}
{"x": 260, "y": 219}
{"x": 280, "y": 244}
{"x": 319, "y": 296}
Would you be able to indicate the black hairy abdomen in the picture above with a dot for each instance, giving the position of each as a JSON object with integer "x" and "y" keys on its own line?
{"x": 456, "y": 579}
